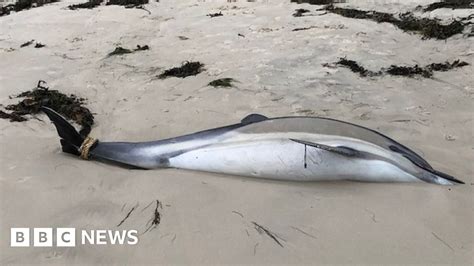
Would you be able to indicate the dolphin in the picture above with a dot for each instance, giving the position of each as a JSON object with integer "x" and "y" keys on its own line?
{"x": 283, "y": 148}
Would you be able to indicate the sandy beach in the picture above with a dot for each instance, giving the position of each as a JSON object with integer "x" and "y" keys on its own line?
{"x": 210, "y": 218}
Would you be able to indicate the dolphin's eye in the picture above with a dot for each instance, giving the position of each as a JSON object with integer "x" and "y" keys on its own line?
{"x": 394, "y": 148}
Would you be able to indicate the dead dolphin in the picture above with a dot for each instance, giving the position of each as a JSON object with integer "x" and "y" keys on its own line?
{"x": 284, "y": 148}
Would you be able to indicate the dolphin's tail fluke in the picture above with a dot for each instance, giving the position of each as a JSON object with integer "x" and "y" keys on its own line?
{"x": 71, "y": 140}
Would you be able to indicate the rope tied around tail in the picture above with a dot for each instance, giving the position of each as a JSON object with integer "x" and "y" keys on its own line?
{"x": 85, "y": 147}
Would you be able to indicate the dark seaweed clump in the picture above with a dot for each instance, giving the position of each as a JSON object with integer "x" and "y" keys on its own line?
{"x": 155, "y": 219}
{"x": 427, "y": 27}
{"x": 407, "y": 71}
{"x": 120, "y": 50}
{"x": 39, "y": 45}
{"x": 70, "y": 106}
{"x": 127, "y": 3}
{"x": 356, "y": 68}
{"x": 446, "y": 66}
{"x": 223, "y": 82}
{"x": 430, "y": 28}
{"x": 453, "y": 4}
{"x": 318, "y": 2}
{"x": 13, "y": 117}
{"x": 28, "y": 43}
{"x": 142, "y": 48}
{"x": 22, "y": 5}
{"x": 185, "y": 70}
{"x": 303, "y": 28}
{"x": 87, "y": 5}
{"x": 213, "y": 15}
{"x": 299, "y": 12}
{"x": 426, "y": 71}
{"x": 5, "y": 10}
{"x": 95, "y": 3}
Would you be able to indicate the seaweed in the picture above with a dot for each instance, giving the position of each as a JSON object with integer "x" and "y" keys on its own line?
{"x": 361, "y": 14}
{"x": 213, "y": 15}
{"x": 87, "y": 5}
{"x": 20, "y": 5}
{"x": 155, "y": 219}
{"x": 426, "y": 71}
{"x": 120, "y": 50}
{"x": 28, "y": 43}
{"x": 318, "y": 2}
{"x": 127, "y": 3}
{"x": 453, "y": 4}
{"x": 446, "y": 65}
{"x": 95, "y": 3}
{"x": 355, "y": 67}
{"x": 223, "y": 82}
{"x": 39, "y": 45}
{"x": 427, "y": 27}
{"x": 12, "y": 116}
{"x": 185, "y": 70}
{"x": 70, "y": 106}
{"x": 142, "y": 48}
{"x": 5, "y": 10}
{"x": 299, "y": 12}
{"x": 304, "y": 28}
{"x": 407, "y": 71}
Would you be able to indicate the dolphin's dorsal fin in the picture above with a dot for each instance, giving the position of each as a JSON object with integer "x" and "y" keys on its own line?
{"x": 341, "y": 150}
{"x": 253, "y": 118}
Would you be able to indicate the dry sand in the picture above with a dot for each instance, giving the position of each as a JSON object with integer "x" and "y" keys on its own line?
{"x": 207, "y": 218}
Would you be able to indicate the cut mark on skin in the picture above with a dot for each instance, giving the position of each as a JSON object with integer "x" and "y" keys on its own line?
{"x": 341, "y": 150}
{"x": 305, "y": 164}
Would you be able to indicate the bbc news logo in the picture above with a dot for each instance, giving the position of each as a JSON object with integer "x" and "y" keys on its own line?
{"x": 66, "y": 237}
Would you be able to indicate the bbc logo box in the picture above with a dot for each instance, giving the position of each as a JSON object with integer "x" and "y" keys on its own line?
{"x": 42, "y": 237}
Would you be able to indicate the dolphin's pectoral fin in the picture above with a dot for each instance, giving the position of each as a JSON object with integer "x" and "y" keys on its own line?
{"x": 253, "y": 118}
{"x": 341, "y": 150}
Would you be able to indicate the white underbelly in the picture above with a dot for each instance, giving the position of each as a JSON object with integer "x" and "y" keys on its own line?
{"x": 286, "y": 160}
